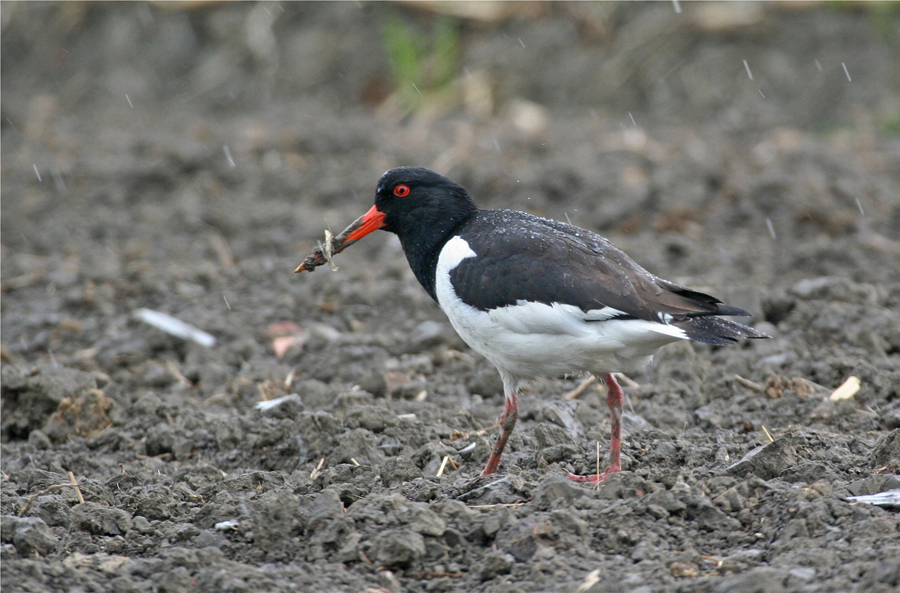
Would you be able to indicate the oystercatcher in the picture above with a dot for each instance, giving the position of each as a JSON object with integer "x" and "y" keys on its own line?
{"x": 538, "y": 297}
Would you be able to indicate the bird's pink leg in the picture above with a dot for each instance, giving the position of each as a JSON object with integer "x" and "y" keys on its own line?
{"x": 614, "y": 401}
{"x": 507, "y": 423}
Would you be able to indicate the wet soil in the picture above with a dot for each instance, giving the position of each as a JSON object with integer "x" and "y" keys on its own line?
{"x": 186, "y": 160}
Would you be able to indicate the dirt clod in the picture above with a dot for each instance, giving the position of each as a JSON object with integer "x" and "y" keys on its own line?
{"x": 767, "y": 461}
{"x": 30, "y": 535}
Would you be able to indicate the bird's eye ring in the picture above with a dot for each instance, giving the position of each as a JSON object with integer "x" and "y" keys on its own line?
{"x": 401, "y": 191}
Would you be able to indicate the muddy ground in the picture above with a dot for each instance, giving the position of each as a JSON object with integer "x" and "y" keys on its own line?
{"x": 185, "y": 160}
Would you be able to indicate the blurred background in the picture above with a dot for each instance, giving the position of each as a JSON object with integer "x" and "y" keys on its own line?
{"x": 811, "y": 65}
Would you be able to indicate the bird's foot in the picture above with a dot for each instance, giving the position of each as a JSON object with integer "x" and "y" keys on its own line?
{"x": 492, "y": 465}
{"x": 593, "y": 478}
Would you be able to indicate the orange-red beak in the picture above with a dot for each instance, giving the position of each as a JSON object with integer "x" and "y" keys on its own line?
{"x": 371, "y": 221}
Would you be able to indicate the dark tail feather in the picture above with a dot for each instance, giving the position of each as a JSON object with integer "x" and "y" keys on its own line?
{"x": 724, "y": 309}
{"x": 715, "y": 330}
{"x": 702, "y": 324}
{"x": 703, "y": 304}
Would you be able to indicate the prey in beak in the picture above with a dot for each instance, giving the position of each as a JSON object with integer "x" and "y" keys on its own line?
{"x": 359, "y": 228}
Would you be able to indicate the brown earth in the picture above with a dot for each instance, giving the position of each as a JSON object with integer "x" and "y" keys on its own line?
{"x": 186, "y": 158}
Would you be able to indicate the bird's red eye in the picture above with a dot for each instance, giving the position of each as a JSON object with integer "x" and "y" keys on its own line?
{"x": 401, "y": 191}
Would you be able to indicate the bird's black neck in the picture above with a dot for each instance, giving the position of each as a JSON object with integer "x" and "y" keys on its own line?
{"x": 423, "y": 247}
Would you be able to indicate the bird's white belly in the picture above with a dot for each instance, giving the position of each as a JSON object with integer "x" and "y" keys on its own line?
{"x": 530, "y": 340}
{"x": 538, "y": 354}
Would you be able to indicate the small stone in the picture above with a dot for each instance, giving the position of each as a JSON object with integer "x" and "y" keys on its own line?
{"x": 887, "y": 450}
{"x": 349, "y": 551}
{"x": 389, "y": 581}
{"x": 39, "y": 440}
{"x": 123, "y": 584}
{"x": 374, "y": 418}
{"x": 423, "y": 520}
{"x": 523, "y": 548}
{"x": 496, "y": 563}
{"x": 557, "y": 492}
{"x": 142, "y": 525}
{"x": 30, "y": 535}
{"x": 360, "y": 445}
{"x": 657, "y": 511}
{"x": 30, "y": 398}
{"x": 665, "y": 500}
{"x": 326, "y": 506}
{"x": 399, "y": 549}
{"x": 767, "y": 461}
{"x": 100, "y": 519}
{"x": 177, "y": 580}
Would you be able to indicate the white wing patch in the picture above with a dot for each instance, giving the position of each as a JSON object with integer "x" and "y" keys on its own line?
{"x": 602, "y": 314}
{"x": 666, "y": 330}
{"x": 538, "y": 318}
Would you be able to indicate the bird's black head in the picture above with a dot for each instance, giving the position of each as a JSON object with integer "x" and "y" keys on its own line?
{"x": 419, "y": 201}
{"x": 423, "y": 209}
